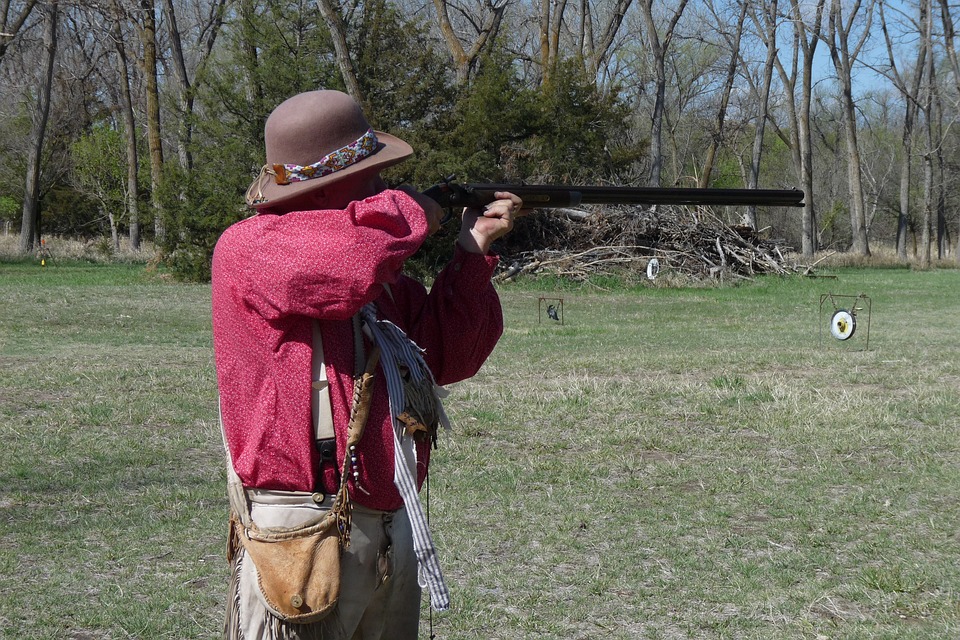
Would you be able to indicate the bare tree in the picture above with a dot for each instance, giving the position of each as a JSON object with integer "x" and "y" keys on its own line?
{"x": 126, "y": 108}
{"x": 338, "y": 33}
{"x": 949, "y": 39}
{"x": 879, "y": 149}
{"x": 596, "y": 52}
{"x": 767, "y": 25}
{"x": 249, "y": 61}
{"x": 841, "y": 23}
{"x": 485, "y": 28}
{"x": 10, "y": 25}
{"x": 182, "y": 79}
{"x": 184, "y": 89}
{"x": 30, "y": 224}
{"x": 943, "y": 230}
{"x": 927, "y": 105}
{"x": 733, "y": 42}
{"x": 551, "y": 22}
{"x": 659, "y": 47}
{"x": 807, "y": 24}
{"x": 909, "y": 89}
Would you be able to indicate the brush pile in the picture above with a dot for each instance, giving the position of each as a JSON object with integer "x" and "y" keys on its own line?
{"x": 688, "y": 241}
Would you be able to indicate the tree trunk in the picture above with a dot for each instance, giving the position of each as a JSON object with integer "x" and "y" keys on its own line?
{"x": 770, "y": 40}
{"x": 910, "y": 96}
{"x": 465, "y": 60}
{"x": 927, "y": 106}
{"x": 810, "y": 242}
{"x": 545, "y": 41}
{"x": 906, "y": 165}
{"x": 949, "y": 37}
{"x": 924, "y": 255}
{"x": 556, "y": 27}
{"x": 461, "y": 61}
{"x": 805, "y": 39}
{"x": 132, "y": 195}
{"x": 658, "y": 48}
{"x": 943, "y": 231}
{"x": 858, "y": 220}
{"x": 148, "y": 35}
{"x": 184, "y": 91}
{"x": 843, "y": 58}
{"x": 656, "y": 118}
{"x": 585, "y": 43}
{"x": 716, "y": 136}
{"x": 30, "y": 224}
{"x": 656, "y": 128}
{"x": 250, "y": 63}
{"x": 114, "y": 231}
{"x": 10, "y": 28}
{"x": 338, "y": 33}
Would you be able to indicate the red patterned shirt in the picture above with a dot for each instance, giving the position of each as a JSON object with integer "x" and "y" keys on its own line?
{"x": 273, "y": 274}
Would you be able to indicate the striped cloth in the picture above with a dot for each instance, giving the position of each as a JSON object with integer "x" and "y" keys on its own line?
{"x": 396, "y": 349}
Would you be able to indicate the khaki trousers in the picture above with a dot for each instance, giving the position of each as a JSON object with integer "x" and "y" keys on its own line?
{"x": 379, "y": 593}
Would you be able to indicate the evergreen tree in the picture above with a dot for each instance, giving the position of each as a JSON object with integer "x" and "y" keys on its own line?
{"x": 270, "y": 53}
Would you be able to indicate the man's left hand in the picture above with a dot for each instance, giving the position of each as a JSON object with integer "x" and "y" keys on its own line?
{"x": 480, "y": 228}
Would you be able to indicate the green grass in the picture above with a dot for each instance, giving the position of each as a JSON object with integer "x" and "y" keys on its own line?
{"x": 111, "y": 510}
{"x": 667, "y": 463}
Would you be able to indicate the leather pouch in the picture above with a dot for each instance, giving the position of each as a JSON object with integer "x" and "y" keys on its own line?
{"x": 298, "y": 570}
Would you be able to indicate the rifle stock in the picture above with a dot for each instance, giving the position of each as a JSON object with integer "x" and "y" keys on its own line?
{"x": 451, "y": 194}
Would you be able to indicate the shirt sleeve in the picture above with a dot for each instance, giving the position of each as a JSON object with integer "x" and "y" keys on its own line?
{"x": 459, "y": 322}
{"x": 322, "y": 264}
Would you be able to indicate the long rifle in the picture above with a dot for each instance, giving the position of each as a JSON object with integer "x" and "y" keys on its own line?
{"x": 450, "y": 194}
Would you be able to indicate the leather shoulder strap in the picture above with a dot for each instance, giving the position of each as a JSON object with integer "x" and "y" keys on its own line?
{"x": 320, "y": 392}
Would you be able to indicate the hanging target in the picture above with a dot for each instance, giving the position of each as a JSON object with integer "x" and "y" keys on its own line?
{"x": 653, "y": 268}
{"x": 843, "y": 324}
{"x": 842, "y": 318}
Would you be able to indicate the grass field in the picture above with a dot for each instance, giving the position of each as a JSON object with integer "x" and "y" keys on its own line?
{"x": 667, "y": 463}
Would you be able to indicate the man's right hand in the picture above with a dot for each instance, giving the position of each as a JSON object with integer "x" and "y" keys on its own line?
{"x": 431, "y": 210}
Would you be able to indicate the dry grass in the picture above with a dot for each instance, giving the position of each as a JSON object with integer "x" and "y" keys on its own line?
{"x": 668, "y": 463}
{"x": 881, "y": 256}
{"x": 100, "y": 250}
{"x": 695, "y": 464}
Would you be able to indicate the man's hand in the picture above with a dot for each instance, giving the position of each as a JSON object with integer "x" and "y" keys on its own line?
{"x": 431, "y": 210}
{"x": 480, "y": 228}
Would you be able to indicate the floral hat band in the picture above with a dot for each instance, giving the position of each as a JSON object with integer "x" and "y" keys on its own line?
{"x": 342, "y": 158}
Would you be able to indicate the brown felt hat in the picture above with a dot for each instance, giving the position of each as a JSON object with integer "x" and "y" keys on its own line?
{"x": 317, "y": 138}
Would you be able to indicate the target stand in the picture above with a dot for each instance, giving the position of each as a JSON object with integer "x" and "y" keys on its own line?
{"x": 843, "y": 311}
{"x": 554, "y": 308}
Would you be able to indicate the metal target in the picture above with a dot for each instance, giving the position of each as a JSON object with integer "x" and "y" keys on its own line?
{"x": 847, "y": 312}
{"x": 843, "y": 324}
{"x": 653, "y": 269}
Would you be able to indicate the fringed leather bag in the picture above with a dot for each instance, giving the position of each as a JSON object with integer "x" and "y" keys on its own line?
{"x": 298, "y": 570}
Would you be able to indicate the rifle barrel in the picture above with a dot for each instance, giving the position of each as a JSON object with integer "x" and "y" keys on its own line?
{"x": 451, "y": 194}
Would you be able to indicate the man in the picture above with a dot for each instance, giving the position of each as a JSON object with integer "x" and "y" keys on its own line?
{"x": 308, "y": 294}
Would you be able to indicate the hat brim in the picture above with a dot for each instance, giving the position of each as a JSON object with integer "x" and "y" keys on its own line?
{"x": 264, "y": 192}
